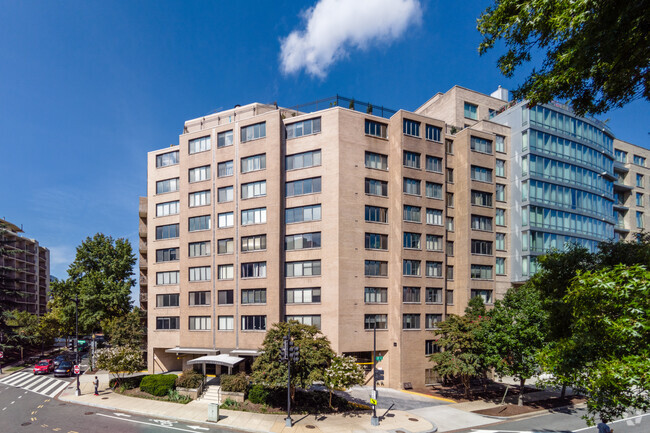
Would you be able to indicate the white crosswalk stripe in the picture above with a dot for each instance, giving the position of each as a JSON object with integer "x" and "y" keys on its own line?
{"x": 44, "y": 385}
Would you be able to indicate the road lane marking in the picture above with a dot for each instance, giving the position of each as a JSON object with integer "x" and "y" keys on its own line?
{"x": 35, "y": 383}
{"x": 196, "y": 427}
{"x": 614, "y": 422}
{"x": 16, "y": 377}
{"x": 121, "y": 414}
{"x": 40, "y": 406}
{"x": 21, "y": 383}
{"x": 58, "y": 390}
{"x": 46, "y": 390}
{"x": 146, "y": 423}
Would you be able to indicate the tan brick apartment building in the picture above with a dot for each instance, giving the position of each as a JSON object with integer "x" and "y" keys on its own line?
{"x": 340, "y": 218}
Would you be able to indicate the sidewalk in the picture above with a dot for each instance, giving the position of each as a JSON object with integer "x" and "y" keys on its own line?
{"x": 198, "y": 412}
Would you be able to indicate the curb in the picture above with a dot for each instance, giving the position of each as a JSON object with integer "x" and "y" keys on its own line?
{"x": 533, "y": 413}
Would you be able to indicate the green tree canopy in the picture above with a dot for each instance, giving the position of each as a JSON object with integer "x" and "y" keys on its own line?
{"x": 597, "y": 53}
{"x": 128, "y": 330}
{"x": 342, "y": 374}
{"x": 120, "y": 361}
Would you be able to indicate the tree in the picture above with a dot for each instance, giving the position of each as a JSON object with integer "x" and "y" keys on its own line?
{"x": 120, "y": 361}
{"x": 25, "y": 329}
{"x": 597, "y": 53}
{"x": 315, "y": 356}
{"x": 102, "y": 276}
{"x": 342, "y": 374}
{"x": 126, "y": 331}
{"x": 607, "y": 353}
{"x": 516, "y": 334}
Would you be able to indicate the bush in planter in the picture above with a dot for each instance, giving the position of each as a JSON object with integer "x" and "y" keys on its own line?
{"x": 258, "y": 394}
{"x": 234, "y": 383}
{"x": 127, "y": 382}
{"x": 158, "y": 384}
{"x": 189, "y": 379}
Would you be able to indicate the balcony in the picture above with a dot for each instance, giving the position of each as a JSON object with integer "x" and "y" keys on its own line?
{"x": 620, "y": 227}
{"x": 143, "y": 207}
{"x": 144, "y": 297}
{"x": 620, "y": 167}
{"x": 143, "y": 246}
{"x": 622, "y": 187}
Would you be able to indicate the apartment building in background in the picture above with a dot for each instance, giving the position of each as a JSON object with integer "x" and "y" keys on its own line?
{"x": 351, "y": 218}
{"x": 25, "y": 269}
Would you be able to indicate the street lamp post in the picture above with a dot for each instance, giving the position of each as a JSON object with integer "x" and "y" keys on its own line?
{"x": 76, "y": 345}
{"x": 374, "y": 421}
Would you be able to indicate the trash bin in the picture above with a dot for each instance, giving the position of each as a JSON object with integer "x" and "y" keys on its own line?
{"x": 213, "y": 412}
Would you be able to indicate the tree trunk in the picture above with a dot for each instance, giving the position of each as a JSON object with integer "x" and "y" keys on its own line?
{"x": 331, "y": 399}
{"x": 466, "y": 384}
{"x": 520, "y": 400}
{"x": 563, "y": 394}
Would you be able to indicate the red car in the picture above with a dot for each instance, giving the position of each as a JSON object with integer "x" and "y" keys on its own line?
{"x": 44, "y": 366}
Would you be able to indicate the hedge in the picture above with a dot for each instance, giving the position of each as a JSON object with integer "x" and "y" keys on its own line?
{"x": 234, "y": 383}
{"x": 189, "y": 379}
{"x": 128, "y": 382}
{"x": 158, "y": 384}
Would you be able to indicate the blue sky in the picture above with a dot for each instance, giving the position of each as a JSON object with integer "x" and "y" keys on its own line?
{"x": 87, "y": 88}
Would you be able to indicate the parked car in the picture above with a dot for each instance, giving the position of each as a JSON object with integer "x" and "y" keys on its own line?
{"x": 44, "y": 366}
{"x": 64, "y": 369}
{"x": 59, "y": 359}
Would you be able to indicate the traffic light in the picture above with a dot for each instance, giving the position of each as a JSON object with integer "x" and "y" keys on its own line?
{"x": 284, "y": 349}
{"x": 294, "y": 353}
{"x": 379, "y": 375}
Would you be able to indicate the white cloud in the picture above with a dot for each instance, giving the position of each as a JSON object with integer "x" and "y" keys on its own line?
{"x": 60, "y": 258}
{"x": 335, "y": 26}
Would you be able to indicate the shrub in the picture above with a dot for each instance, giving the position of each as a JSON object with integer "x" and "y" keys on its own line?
{"x": 229, "y": 404}
{"x": 234, "y": 383}
{"x": 158, "y": 384}
{"x": 175, "y": 397}
{"x": 126, "y": 382}
{"x": 189, "y": 379}
{"x": 258, "y": 394}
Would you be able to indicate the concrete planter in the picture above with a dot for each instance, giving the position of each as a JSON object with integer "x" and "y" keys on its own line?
{"x": 234, "y": 396}
{"x": 192, "y": 393}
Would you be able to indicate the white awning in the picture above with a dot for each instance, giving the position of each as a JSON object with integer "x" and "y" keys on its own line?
{"x": 197, "y": 350}
{"x": 245, "y": 352}
{"x": 226, "y": 360}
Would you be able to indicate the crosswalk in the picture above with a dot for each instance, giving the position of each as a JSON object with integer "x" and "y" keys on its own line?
{"x": 44, "y": 385}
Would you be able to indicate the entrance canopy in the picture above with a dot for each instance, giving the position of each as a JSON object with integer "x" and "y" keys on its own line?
{"x": 225, "y": 360}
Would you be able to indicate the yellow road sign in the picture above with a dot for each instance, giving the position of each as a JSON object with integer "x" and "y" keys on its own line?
{"x": 373, "y": 401}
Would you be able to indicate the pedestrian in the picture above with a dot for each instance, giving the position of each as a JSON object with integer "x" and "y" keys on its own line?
{"x": 96, "y": 383}
{"x": 603, "y": 427}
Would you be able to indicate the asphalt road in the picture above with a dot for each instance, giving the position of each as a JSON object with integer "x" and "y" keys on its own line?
{"x": 22, "y": 411}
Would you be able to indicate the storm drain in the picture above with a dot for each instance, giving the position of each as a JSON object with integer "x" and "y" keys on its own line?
{"x": 414, "y": 419}
{"x": 309, "y": 426}
{"x": 25, "y": 424}
{"x": 89, "y": 413}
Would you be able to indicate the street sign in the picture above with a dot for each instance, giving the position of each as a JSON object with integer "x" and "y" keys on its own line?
{"x": 76, "y": 369}
{"x": 2, "y": 355}
{"x": 373, "y": 401}
{"x": 378, "y": 358}
{"x": 82, "y": 341}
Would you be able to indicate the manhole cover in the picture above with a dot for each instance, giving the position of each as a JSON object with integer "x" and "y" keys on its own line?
{"x": 309, "y": 426}
{"x": 390, "y": 415}
{"x": 88, "y": 413}
{"x": 104, "y": 398}
{"x": 414, "y": 419}
{"x": 25, "y": 423}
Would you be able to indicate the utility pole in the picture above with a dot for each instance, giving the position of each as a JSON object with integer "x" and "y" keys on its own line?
{"x": 289, "y": 353}
{"x": 374, "y": 421}
{"x": 76, "y": 345}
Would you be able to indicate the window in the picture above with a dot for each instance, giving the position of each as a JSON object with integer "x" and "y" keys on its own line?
{"x": 449, "y": 147}
{"x": 226, "y": 323}
{"x": 167, "y": 159}
{"x": 199, "y": 223}
{"x": 639, "y": 199}
{"x": 375, "y": 268}
{"x": 168, "y": 322}
{"x": 411, "y": 127}
{"x": 376, "y": 214}
{"x": 307, "y": 268}
{"x": 376, "y": 187}
{"x": 434, "y": 243}
{"x": 433, "y": 295}
{"x": 376, "y": 161}
{"x": 411, "y": 268}
{"x": 639, "y": 160}
{"x": 434, "y": 269}
{"x": 375, "y": 295}
{"x": 225, "y": 272}
{"x": 434, "y": 217}
{"x": 253, "y": 296}
{"x": 410, "y": 321}
{"x": 411, "y": 186}
{"x": 199, "y": 249}
{"x": 450, "y": 199}
{"x": 500, "y": 192}
{"x": 481, "y": 272}
{"x": 433, "y": 190}
{"x": 200, "y": 273}
{"x": 167, "y": 300}
{"x": 639, "y": 220}
{"x": 375, "y": 321}
{"x": 253, "y": 189}
{"x": 450, "y": 272}
{"x": 486, "y": 295}
{"x": 500, "y": 242}
{"x": 450, "y": 175}
{"x": 200, "y": 198}
{"x": 306, "y": 127}
{"x": 253, "y": 163}
{"x": 433, "y": 133}
{"x": 167, "y": 185}
{"x": 411, "y": 240}
{"x": 253, "y": 243}
{"x": 225, "y": 297}
{"x": 376, "y": 241}
{"x": 311, "y": 320}
{"x": 449, "y": 295}
{"x": 500, "y": 168}
{"x": 639, "y": 180}
{"x": 200, "y": 323}
{"x": 481, "y": 145}
{"x": 302, "y": 214}
{"x": 450, "y": 248}
{"x": 500, "y": 143}
{"x": 431, "y": 320}
{"x": 167, "y": 208}
{"x": 199, "y": 145}
{"x": 302, "y": 241}
{"x": 224, "y": 139}
{"x": 169, "y": 277}
{"x": 167, "y": 255}
{"x": 500, "y": 266}
{"x": 482, "y": 247}
{"x": 471, "y": 111}
{"x": 225, "y": 194}
{"x": 253, "y": 216}
{"x": 306, "y": 295}
{"x": 225, "y": 169}
{"x": 434, "y": 164}
{"x": 450, "y": 224}
{"x": 199, "y": 298}
{"x": 253, "y": 270}
{"x": 302, "y": 187}
{"x": 482, "y": 223}
{"x": 303, "y": 160}
{"x": 411, "y": 295}
{"x": 253, "y": 323}
{"x": 225, "y": 246}
{"x": 480, "y": 198}
{"x": 430, "y": 347}
{"x": 481, "y": 174}
{"x": 620, "y": 156}
{"x": 253, "y": 132}
{"x": 412, "y": 213}
{"x": 500, "y": 217}
{"x": 167, "y": 232}
{"x": 199, "y": 173}
{"x": 377, "y": 129}
{"x": 411, "y": 159}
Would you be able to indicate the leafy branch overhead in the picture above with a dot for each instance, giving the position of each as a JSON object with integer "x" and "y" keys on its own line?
{"x": 596, "y": 53}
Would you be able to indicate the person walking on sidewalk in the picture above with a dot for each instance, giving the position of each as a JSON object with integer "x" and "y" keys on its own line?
{"x": 96, "y": 383}
{"x": 603, "y": 427}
